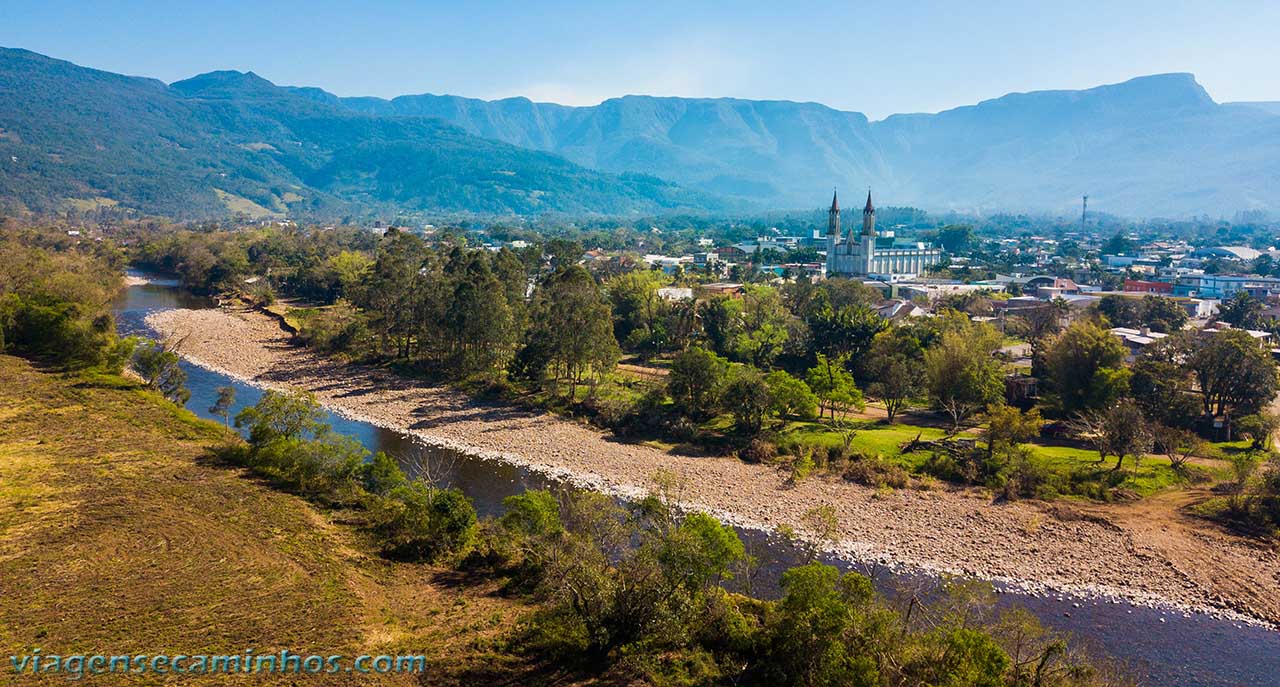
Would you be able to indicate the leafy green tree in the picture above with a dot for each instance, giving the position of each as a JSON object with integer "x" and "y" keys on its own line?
{"x": 762, "y": 330}
{"x": 699, "y": 552}
{"x": 1085, "y": 368}
{"x": 1259, "y": 428}
{"x": 1008, "y": 426}
{"x": 961, "y": 375}
{"x": 160, "y": 368}
{"x": 573, "y": 324}
{"x": 895, "y": 365}
{"x": 639, "y": 314}
{"x": 956, "y": 239}
{"x": 282, "y": 415}
{"x": 222, "y": 406}
{"x": 747, "y": 396}
{"x": 1235, "y": 375}
{"x": 418, "y": 521}
{"x": 478, "y": 319}
{"x": 833, "y": 385}
{"x": 1158, "y": 313}
{"x": 808, "y": 639}
{"x": 791, "y": 396}
{"x": 1242, "y": 310}
{"x": 1162, "y": 387}
{"x": 382, "y": 474}
{"x": 695, "y": 381}
{"x": 846, "y": 333}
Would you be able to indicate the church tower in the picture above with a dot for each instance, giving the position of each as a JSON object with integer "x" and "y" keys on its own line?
{"x": 833, "y": 216}
{"x": 869, "y": 217}
{"x": 868, "y": 238}
{"x": 833, "y": 229}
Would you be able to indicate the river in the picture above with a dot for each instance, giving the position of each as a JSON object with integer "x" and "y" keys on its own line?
{"x": 1161, "y": 647}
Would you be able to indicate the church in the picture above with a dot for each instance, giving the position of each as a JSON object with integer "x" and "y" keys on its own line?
{"x": 864, "y": 256}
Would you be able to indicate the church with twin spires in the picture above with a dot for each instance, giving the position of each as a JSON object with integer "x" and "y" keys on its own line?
{"x": 858, "y": 255}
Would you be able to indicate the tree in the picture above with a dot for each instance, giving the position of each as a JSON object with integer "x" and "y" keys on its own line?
{"x": 1162, "y": 387}
{"x": 961, "y": 375}
{"x": 478, "y": 320}
{"x": 1163, "y": 314}
{"x": 1085, "y": 368}
{"x": 1008, "y": 426}
{"x": 695, "y": 380}
{"x": 956, "y": 238}
{"x": 896, "y": 368}
{"x": 833, "y": 385}
{"x": 763, "y": 326}
{"x": 1242, "y": 310}
{"x": 160, "y": 367}
{"x": 1119, "y": 430}
{"x": 747, "y": 396}
{"x": 844, "y": 333}
{"x": 282, "y": 415}
{"x": 791, "y": 396}
{"x": 638, "y": 312}
{"x": 1177, "y": 444}
{"x": 1259, "y": 428}
{"x": 222, "y": 406}
{"x": 1235, "y": 375}
{"x": 573, "y": 325}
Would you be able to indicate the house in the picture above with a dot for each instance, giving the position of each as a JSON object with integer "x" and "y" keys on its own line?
{"x": 675, "y": 293}
{"x": 897, "y": 309}
{"x": 1137, "y": 339}
{"x": 1154, "y": 287}
{"x": 722, "y": 288}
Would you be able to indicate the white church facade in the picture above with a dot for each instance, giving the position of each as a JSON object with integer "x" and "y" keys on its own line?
{"x": 859, "y": 256}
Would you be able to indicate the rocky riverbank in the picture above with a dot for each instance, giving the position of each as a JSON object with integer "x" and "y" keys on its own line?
{"x": 1034, "y": 547}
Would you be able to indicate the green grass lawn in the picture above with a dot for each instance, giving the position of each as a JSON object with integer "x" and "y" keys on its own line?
{"x": 1075, "y": 466}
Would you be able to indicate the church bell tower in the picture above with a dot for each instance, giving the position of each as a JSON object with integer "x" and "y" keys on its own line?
{"x": 868, "y": 238}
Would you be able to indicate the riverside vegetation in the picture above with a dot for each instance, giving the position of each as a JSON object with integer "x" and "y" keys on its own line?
{"x": 613, "y": 593}
{"x": 780, "y": 374}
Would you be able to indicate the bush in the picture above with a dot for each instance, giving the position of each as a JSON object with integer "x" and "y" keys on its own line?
{"x": 877, "y": 472}
{"x": 420, "y": 522}
{"x": 758, "y": 451}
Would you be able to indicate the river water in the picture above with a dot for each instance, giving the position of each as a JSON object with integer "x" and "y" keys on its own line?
{"x": 1160, "y": 647}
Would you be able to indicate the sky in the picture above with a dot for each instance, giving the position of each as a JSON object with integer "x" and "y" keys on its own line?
{"x": 873, "y": 57}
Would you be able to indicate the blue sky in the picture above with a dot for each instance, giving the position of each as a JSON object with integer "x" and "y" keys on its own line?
{"x": 874, "y": 57}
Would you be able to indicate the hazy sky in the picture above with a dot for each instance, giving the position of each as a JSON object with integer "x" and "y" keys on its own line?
{"x": 874, "y": 57}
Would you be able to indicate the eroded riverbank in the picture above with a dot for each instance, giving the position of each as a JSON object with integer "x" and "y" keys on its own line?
{"x": 1025, "y": 544}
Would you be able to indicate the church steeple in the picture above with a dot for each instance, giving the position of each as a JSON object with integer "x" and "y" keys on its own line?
{"x": 869, "y": 217}
{"x": 833, "y": 215}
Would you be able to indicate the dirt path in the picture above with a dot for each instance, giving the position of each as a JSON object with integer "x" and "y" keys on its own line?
{"x": 959, "y": 531}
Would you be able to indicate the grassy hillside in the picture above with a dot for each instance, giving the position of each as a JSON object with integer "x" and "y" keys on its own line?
{"x": 119, "y": 536}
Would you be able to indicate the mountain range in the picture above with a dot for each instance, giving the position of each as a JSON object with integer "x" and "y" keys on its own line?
{"x": 1152, "y": 146}
{"x": 234, "y": 142}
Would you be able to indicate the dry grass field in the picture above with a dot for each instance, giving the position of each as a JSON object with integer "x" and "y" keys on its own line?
{"x": 119, "y": 534}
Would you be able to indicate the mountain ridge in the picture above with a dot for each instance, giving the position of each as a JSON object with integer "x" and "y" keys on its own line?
{"x": 231, "y": 141}
{"x": 1155, "y": 145}
{"x": 779, "y": 152}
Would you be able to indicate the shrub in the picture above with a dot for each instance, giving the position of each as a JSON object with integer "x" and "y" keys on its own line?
{"x": 419, "y": 522}
{"x": 758, "y": 451}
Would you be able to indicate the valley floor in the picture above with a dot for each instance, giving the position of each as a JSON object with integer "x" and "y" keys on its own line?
{"x": 1150, "y": 552}
{"x": 120, "y": 535}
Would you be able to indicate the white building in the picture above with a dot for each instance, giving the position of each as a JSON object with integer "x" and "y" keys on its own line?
{"x": 858, "y": 256}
